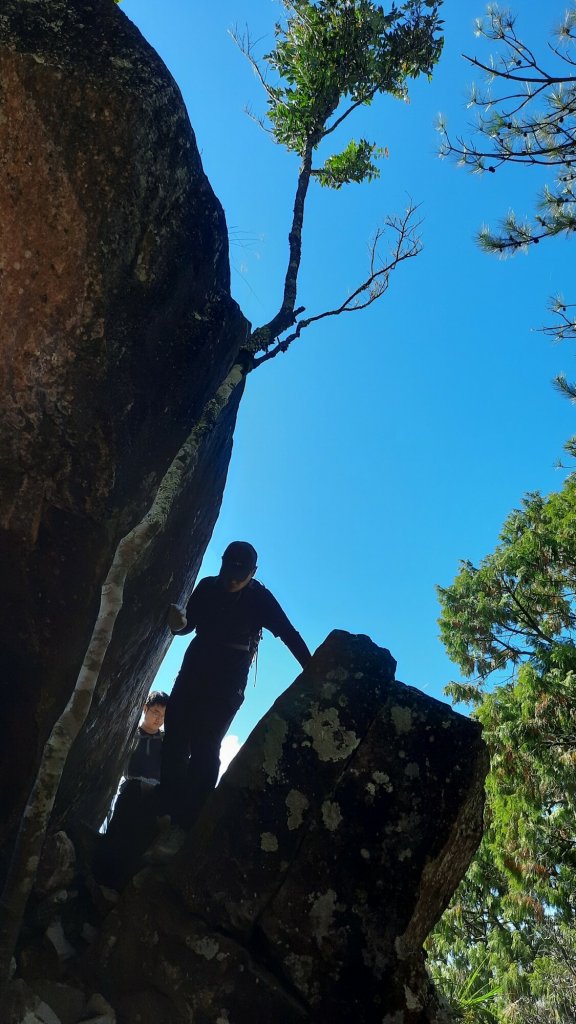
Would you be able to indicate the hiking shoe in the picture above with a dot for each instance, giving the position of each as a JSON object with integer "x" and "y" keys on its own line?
{"x": 167, "y": 844}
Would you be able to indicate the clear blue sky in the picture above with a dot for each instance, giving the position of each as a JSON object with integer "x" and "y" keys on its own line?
{"x": 386, "y": 445}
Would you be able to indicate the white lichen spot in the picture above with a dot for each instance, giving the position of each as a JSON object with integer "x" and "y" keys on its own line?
{"x": 381, "y": 779}
{"x": 223, "y": 1017}
{"x": 268, "y": 842}
{"x": 322, "y": 915}
{"x": 331, "y": 815}
{"x": 329, "y": 690}
{"x": 412, "y": 1001}
{"x": 297, "y": 803}
{"x": 358, "y": 675}
{"x": 329, "y": 739}
{"x": 339, "y": 674}
{"x": 412, "y": 770}
{"x": 365, "y": 854}
{"x": 446, "y": 724}
{"x": 402, "y": 718}
{"x": 208, "y": 948}
{"x": 370, "y": 788}
{"x": 303, "y": 970}
{"x": 405, "y": 854}
{"x": 274, "y": 747}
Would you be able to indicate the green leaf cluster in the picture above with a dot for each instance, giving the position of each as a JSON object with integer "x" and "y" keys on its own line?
{"x": 355, "y": 163}
{"x": 336, "y": 51}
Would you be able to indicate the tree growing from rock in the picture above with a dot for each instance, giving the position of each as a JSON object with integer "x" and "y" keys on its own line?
{"x": 330, "y": 57}
{"x": 527, "y": 117}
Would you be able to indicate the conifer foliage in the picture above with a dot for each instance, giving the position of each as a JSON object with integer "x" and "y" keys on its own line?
{"x": 526, "y": 115}
{"x": 511, "y": 622}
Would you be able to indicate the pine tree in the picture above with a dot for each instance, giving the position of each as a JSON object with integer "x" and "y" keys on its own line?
{"x": 527, "y": 116}
{"x": 511, "y": 623}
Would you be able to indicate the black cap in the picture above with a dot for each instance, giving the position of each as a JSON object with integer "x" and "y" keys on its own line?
{"x": 239, "y": 557}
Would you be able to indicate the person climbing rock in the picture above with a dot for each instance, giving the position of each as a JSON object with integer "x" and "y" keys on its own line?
{"x": 132, "y": 824}
{"x": 228, "y": 612}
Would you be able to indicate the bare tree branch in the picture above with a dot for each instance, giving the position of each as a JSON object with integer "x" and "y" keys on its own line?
{"x": 246, "y": 47}
{"x": 407, "y": 245}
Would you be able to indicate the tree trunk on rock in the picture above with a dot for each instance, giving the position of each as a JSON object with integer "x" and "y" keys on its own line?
{"x": 117, "y": 327}
{"x": 34, "y": 823}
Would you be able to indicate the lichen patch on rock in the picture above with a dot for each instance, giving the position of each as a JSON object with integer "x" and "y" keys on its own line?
{"x": 297, "y": 803}
{"x": 330, "y": 740}
{"x": 402, "y": 718}
{"x": 274, "y": 748}
{"x": 269, "y": 842}
{"x": 331, "y": 815}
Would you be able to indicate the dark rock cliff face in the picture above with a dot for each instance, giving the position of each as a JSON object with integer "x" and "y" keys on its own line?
{"x": 324, "y": 858}
{"x": 117, "y": 324}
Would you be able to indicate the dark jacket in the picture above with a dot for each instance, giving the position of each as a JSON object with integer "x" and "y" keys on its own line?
{"x": 146, "y": 757}
{"x": 223, "y": 619}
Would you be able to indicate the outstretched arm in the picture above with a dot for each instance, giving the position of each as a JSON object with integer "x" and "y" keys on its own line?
{"x": 297, "y": 646}
{"x": 276, "y": 620}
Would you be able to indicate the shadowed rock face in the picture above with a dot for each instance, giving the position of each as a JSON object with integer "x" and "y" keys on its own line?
{"x": 117, "y": 324}
{"x": 324, "y": 858}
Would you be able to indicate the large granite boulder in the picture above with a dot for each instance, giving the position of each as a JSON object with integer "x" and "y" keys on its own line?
{"x": 117, "y": 324}
{"x": 322, "y": 861}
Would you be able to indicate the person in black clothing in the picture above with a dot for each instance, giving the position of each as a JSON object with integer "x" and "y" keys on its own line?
{"x": 133, "y": 823}
{"x": 144, "y": 764}
{"x": 228, "y": 612}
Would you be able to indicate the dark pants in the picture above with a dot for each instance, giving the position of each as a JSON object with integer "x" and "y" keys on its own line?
{"x": 207, "y": 693}
{"x": 130, "y": 831}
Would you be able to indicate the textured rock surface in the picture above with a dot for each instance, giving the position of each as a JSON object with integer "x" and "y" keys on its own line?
{"x": 117, "y": 323}
{"x": 324, "y": 858}
{"x": 57, "y": 865}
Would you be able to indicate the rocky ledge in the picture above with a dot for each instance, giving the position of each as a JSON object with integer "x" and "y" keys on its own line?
{"x": 306, "y": 889}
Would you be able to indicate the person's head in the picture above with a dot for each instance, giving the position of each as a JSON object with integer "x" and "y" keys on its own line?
{"x": 238, "y": 565}
{"x": 154, "y": 711}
